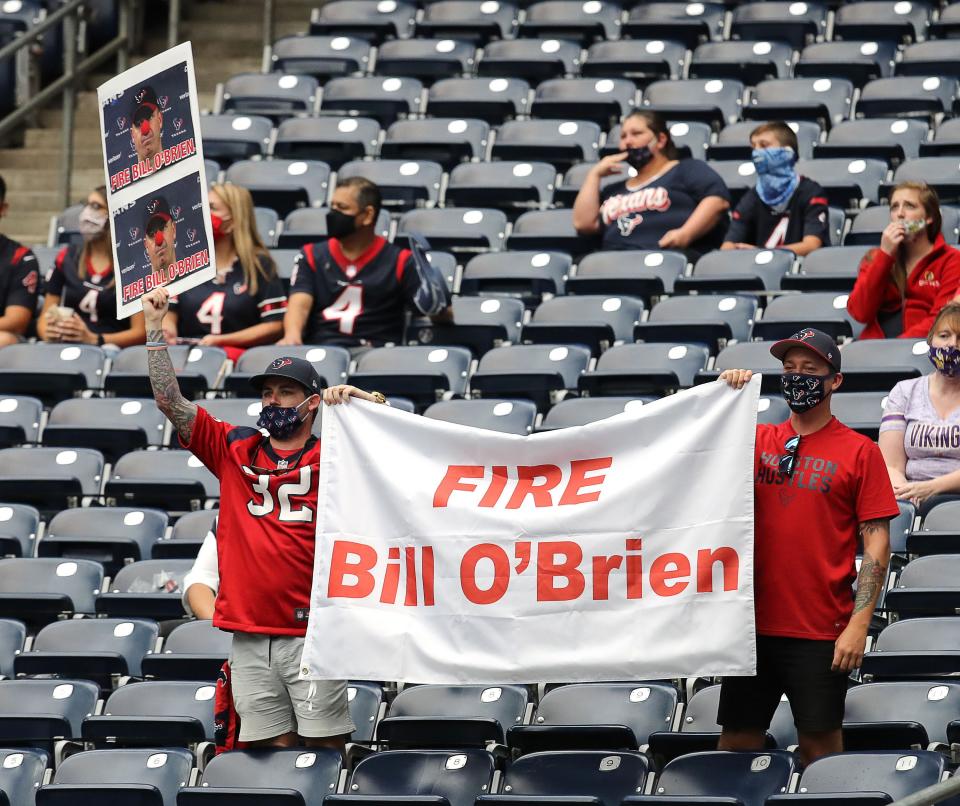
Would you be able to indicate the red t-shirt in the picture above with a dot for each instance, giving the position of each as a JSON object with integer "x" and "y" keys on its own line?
{"x": 807, "y": 527}
{"x": 266, "y": 531}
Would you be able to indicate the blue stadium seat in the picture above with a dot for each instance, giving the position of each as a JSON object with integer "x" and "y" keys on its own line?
{"x": 584, "y": 22}
{"x": 384, "y": 99}
{"x": 228, "y": 138}
{"x": 38, "y": 712}
{"x": 267, "y": 221}
{"x": 447, "y": 141}
{"x": 733, "y": 141}
{"x": 198, "y": 369}
{"x": 899, "y": 715}
{"x": 19, "y": 525}
{"x": 403, "y": 183}
{"x": 945, "y": 140}
{"x": 689, "y": 23}
{"x": 365, "y": 700}
{"x": 174, "y": 480}
{"x": 549, "y": 229}
{"x": 560, "y": 142}
{"x": 533, "y": 60}
{"x": 509, "y": 186}
{"x": 692, "y": 139}
{"x": 12, "y": 635}
{"x": 193, "y": 651}
{"x": 50, "y": 479}
{"x": 576, "y": 411}
{"x": 490, "y": 99}
{"x": 111, "y": 425}
{"x": 747, "y": 61}
{"x": 875, "y": 365}
{"x": 629, "y": 370}
{"x": 865, "y": 231}
{"x": 457, "y": 229}
{"x": 322, "y": 57}
{"x": 425, "y": 59}
{"x": 19, "y": 420}
{"x": 919, "y": 647}
{"x": 796, "y": 23}
{"x": 635, "y": 60}
{"x": 597, "y": 321}
{"x": 892, "y": 140}
{"x": 309, "y": 224}
{"x": 422, "y": 374}
{"x": 331, "y": 364}
{"x": 528, "y": 276}
{"x": 927, "y": 586}
{"x": 738, "y": 175}
{"x": 507, "y": 416}
{"x": 21, "y": 773}
{"x": 272, "y": 95}
{"x": 703, "y": 319}
{"x": 50, "y": 372}
{"x": 39, "y": 590}
{"x": 187, "y": 535}
{"x": 846, "y": 182}
{"x": 901, "y": 526}
{"x": 941, "y": 173}
{"x": 860, "y": 411}
{"x": 333, "y": 140}
{"x": 473, "y": 20}
{"x": 824, "y": 100}
{"x": 856, "y": 61}
{"x": 738, "y": 270}
{"x": 914, "y": 96}
{"x": 148, "y": 589}
{"x": 714, "y": 101}
{"x": 602, "y": 100}
{"x": 933, "y": 58}
{"x": 752, "y": 355}
{"x": 947, "y": 25}
{"x": 531, "y": 371}
{"x": 881, "y": 19}
{"x": 369, "y": 19}
{"x": 238, "y": 411}
{"x": 785, "y": 315}
{"x": 639, "y": 273}
{"x": 282, "y": 185}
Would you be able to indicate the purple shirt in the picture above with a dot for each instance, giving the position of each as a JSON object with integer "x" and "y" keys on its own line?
{"x": 932, "y": 444}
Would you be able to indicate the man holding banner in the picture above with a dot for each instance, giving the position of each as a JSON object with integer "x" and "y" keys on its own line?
{"x": 817, "y": 485}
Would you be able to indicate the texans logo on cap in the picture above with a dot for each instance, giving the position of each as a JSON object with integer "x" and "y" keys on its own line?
{"x": 134, "y": 233}
{"x": 178, "y": 123}
{"x": 803, "y": 335}
{"x": 192, "y": 234}
{"x": 141, "y": 94}
{"x": 152, "y": 206}
{"x": 175, "y": 212}
{"x": 280, "y": 363}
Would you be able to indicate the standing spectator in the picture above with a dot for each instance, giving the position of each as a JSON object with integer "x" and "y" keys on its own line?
{"x": 818, "y": 484}
{"x": 80, "y": 301}
{"x": 243, "y": 305}
{"x": 903, "y": 284}
{"x": 19, "y": 278}
{"x": 670, "y": 203}
{"x": 353, "y": 288}
{"x": 784, "y": 210}
{"x": 920, "y": 428}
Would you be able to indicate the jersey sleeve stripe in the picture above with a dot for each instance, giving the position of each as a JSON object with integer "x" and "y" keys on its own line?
{"x": 272, "y": 302}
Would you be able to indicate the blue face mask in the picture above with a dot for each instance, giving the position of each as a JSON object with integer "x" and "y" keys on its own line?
{"x": 280, "y": 421}
{"x": 776, "y": 178}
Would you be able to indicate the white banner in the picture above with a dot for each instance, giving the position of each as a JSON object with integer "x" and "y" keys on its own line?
{"x": 620, "y": 550}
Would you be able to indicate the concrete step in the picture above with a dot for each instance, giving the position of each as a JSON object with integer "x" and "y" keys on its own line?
{"x": 84, "y": 139}
{"x": 40, "y": 159}
{"x": 32, "y": 227}
{"x": 27, "y": 181}
{"x": 288, "y": 11}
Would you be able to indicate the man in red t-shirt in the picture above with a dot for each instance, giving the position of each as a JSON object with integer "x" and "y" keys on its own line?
{"x": 266, "y": 536}
{"x": 818, "y": 485}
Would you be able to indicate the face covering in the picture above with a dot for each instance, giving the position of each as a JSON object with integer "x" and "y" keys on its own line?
{"x": 217, "y": 223}
{"x": 946, "y": 360}
{"x": 776, "y": 179}
{"x": 280, "y": 421}
{"x": 92, "y": 223}
{"x": 912, "y": 227}
{"x": 638, "y": 157}
{"x": 340, "y": 225}
{"x": 803, "y": 392}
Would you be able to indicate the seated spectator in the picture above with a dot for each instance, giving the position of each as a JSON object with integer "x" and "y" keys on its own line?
{"x": 353, "y": 288}
{"x": 784, "y": 210}
{"x": 202, "y": 582}
{"x": 243, "y": 305}
{"x": 80, "y": 301}
{"x": 920, "y": 429}
{"x": 903, "y": 285}
{"x": 670, "y": 203}
{"x": 18, "y": 283}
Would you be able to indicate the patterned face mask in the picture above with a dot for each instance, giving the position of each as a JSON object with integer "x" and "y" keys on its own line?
{"x": 803, "y": 392}
{"x": 280, "y": 421}
{"x": 946, "y": 360}
{"x": 776, "y": 177}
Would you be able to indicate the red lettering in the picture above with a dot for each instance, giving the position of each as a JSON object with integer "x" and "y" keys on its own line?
{"x": 551, "y": 476}
{"x": 497, "y": 482}
{"x": 501, "y": 573}
{"x": 548, "y": 570}
{"x": 579, "y": 479}
{"x": 391, "y": 577}
{"x": 410, "y": 556}
{"x": 602, "y": 566}
{"x": 634, "y": 568}
{"x": 427, "y": 567}
{"x": 666, "y": 574}
{"x": 453, "y": 481}
{"x": 349, "y": 559}
{"x": 730, "y": 562}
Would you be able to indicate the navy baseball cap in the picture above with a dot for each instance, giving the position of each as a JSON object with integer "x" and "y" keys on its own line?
{"x": 811, "y": 339}
{"x": 145, "y": 103}
{"x": 296, "y": 369}
{"x": 157, "y": 208}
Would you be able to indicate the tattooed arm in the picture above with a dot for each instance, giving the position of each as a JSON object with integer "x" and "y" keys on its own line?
{"x": 166, "y": 390}
{"x": 848, "y": 651}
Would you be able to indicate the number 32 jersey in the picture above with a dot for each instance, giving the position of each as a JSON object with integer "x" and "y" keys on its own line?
{"x": 266, "y": 531}
{"x": 355, "y": 301}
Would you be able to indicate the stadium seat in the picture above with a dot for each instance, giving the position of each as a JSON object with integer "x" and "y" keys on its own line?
{"x": 575, "y": 411}
{"x": 422, "y": 374}
{"x": 452, "y": 716}
{"x": 584, "y": 22}
{"x": 597, "y": 321}
{"x": 332, "y": 140}
{"x": 899, "y": 715}
{"x": 532, "y": 60}
{"x": 490, "y": 99}
{"x": 903, "y": 96}
{"x": 752, "y": 355}
{"x": 941, "y": 173}
{"x": 109, "y": 536}
{"x": 891, "y": 140}
{"x": 228, "y": 138}
{"x": 272, "y": 95}
{"x": 860, "y": 411}
{"x": 19, "y": 420}
{"x": 797, "y": 24}
{"x": 267, "y": 221}
{"x": 947, "y": 25}
{"x": 425, "y": 59}
{"x": 531, "y": 371}
{"x": 901, "y": 526}
{"x": 733, "y": 141}
{"x": 549, "y": 229}
{"x": 112, "y": 425}
{"x": 865, "y": 231}
{"x": 944, "y": 141}
{"x": 721, "y": 778}
{"x": 749, "y": 62}
{"x": 703, "y": 319}
{"x": 403, "y": 183}
{"x": 122, "y": 777}
{"x": 876, "y": 365}
{"x": 50, "y": 479}
{"x": 19, "y": 17}
{"x": 933, "y": 58}
{"x": 918, "y": 647}
{"x": 573, "y": 777}
{"x": 472, "y": 20}
{"x": 149, "y": 589}
{"x": 846, "y": 182}
{"x": 881, "y": 19}
{"x": 507, "y": 416}
{"x": 639, "y": 273}
{"x": 738, "y": 175}
{"x": 322, "y": 57}
{"x": 21, "y": 773}
{"x": 772, "y": 409}
{"x": 603, "y": 100}
{"x": 938, "y": 532}
{"x": 457, "y": 229}
{"x": 824, "y": 100}
{"x": 289, "y": 777}
{"x": 38, "y": 712}
{"x": 737, "y": 270}
{"x": 638, "y": 369}
{"x": 12, "y": 635}
{"x": 187, "y": 535}
{"x": 285, "y": 259}
{"x": 331, "y": 364}
{"x": 689, "y": 23}
{"x": 559, "y": 142}
{"x": 785, "y": 315}
{"x": 194, "y": 650}
{"x": 714, "y": 101}
{"x": 39, "y": 590}
{"x": 50, "y": 372}
{"x": 282, "y": 185}
{"x": 865, "y": 778}
{"x": 480, "y": 324}
{"x": 89, "y": 649}
{"x": 597, "y": 716}
{"x": 508, "y": 186}
{"x": 635, "y": 60}
{"x": 173, "y": 480}
{"x": 198, "y": 370}
{"x": 238, "y": 411}
{"x": 309, "y": 224}
{"x": 369, "y": 19}
{"x": 19, "y": 525}
{"x": 927, "y": 586}
{"x": 525, "y": 275}
{"x": 447, "y": 141}
{"x": 366, "y": 701}
{"x": 855, "y": 61}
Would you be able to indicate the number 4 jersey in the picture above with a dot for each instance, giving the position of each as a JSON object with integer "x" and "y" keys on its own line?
{"x": 266, "y": 530}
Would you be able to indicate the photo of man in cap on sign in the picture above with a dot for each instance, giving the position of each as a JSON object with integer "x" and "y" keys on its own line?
{"x": 159, "y": 234}
{"x": 146, "y": 124}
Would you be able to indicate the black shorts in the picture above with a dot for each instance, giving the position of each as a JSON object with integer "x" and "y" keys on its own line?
{"x": 796, "y": 667}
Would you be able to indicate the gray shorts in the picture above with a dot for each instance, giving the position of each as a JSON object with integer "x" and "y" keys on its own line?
{"x": 270, "y": 697}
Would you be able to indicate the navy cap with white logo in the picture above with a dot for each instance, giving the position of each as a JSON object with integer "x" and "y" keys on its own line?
{"x": 296, "y": 369}
{"x": 811, "y": 339}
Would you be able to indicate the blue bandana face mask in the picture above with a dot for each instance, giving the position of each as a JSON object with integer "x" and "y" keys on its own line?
{"x": 280, "y": 421}
{"x": 946, "y": 360}
{"x": 776, "y": 178}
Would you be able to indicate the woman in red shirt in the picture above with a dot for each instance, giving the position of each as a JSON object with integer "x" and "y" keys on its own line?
{"x": 903, "y": 284}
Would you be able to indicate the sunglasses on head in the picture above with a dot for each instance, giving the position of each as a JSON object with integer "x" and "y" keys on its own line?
{"x": 787, "y": 462}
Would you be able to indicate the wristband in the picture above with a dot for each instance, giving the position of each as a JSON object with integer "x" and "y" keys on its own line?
{"x": 99, "y": 340}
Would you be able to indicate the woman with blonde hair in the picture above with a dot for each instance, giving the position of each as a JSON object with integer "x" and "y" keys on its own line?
{"x": 903, "y": 284}
{"x": 243, "y": 305}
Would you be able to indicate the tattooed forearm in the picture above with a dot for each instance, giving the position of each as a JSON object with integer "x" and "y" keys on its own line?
{"x": 166, "y": 390}
{"x": 869, "y": 583}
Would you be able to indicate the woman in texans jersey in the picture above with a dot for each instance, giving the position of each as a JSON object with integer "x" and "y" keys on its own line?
{"x": 80, "y": 301}
{"x": 669, "y": 204}
{"x": 243, "y": 305}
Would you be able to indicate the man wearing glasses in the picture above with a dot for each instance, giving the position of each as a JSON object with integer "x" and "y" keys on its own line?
{"x": 818, "y": 485}
{"x": 266, "y": 534}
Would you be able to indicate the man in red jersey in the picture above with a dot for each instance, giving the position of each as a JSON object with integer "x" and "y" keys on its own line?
{"x": 818, "y": 485}
{"x": 266, "y": 535}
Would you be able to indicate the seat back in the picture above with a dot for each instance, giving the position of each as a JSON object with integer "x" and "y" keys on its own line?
{"x": 749, "y": 777}
{"x": 896, "y": 773}
{"x": 608, "y": 776}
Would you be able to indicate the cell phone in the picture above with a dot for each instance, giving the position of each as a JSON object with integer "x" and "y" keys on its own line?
{"x": 63, "y": 312}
